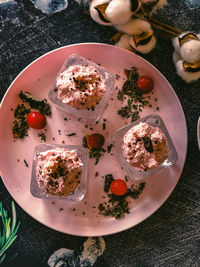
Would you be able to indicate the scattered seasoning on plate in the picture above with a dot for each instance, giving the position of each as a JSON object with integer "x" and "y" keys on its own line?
{"x": 108, "y": 180}
{"x": 109, "y": 148}
{"x": 42, "y": 136}
{"x": 94, "y": 152}
{"x": 26, "y": 163}
{"x": 36, "y": 103}
{"x": 117, "y": 77}
{"x": 136, "y": 100}
{"x": 65, "y": 119}
{"x": 118, "y": 206}
{"x": 103, "y": 126}
{"x": 71, "y": 134}
{"x": 59, "y": 132}
{"x": 20, "y": 125}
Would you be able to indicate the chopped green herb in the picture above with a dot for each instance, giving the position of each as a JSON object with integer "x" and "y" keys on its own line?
{"x": 120, "y": 95}
{"x": 40, "y": 104}
{"x": 42, "y": 136}
{"x": 93, "y": 152}
{"x": 96, "y": 153}
{"x": 21, "y": 111}
{"x": 109, "y": 148}
{"x": 20, "y": 128}
{"x": 148, "y": 144}
{"x": 71, "y": 134}
{"x": 117, "y": 76}
{"x": 136, "y": 101}
{"x": 26, "y": 163}
{"x": 101, "y": 207}
{"x": 84, "y": 142}
{"x": 108, "y": 180}
{"x": 118, "y": 206}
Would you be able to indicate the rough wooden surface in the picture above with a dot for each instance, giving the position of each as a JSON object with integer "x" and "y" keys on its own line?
{"x": 171, "y": 236}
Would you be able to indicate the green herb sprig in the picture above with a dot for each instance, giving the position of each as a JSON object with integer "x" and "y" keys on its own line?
{"x": 20, "y": 125}
{"x": 136, "y": 101}
{"x": 118, "y": 206}
{"x": 8, "y": 233}
{"x": 95, "y": 153}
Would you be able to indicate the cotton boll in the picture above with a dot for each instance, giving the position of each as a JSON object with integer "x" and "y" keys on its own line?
{"x": 176, "y": 45}
{"x": 190, "y": 51}
{"x": 176, "y": 57}
{"x": 144, "y": 49}
{"x": 94, "y": 13}
{"x": 151, "y": 6}
{"x": 124, "y": 42}
{"x": 187, "y": 76}
{"x": 160, "y": 4}
{"x": 134, "y": 26}
{"x": 183, "y": 37}
{"x": 119, "y": 11}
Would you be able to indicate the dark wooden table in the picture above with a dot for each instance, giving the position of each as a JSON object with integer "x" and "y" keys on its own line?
{"x": 171, "y": 236}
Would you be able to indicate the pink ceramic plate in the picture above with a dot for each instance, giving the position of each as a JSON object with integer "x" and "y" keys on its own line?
{"x": 83, "y": 219}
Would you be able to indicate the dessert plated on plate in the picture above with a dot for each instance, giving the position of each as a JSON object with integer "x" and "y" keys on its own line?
{"x": 59, "y": 172}
{"x": 82, "y": 88}
{"x": 144, "y": 147}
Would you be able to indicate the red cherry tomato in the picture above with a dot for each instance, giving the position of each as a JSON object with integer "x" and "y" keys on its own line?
{"x": 95, "y": 140}
{"x": 118, "y": 187}
{"x": 144, "y": 84}
{"x": 36, "y": 120}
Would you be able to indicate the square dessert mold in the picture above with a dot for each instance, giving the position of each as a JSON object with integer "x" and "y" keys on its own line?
{"x": 87, "y": 115}
{"x": 79, "y": 192}
{"x": 135, "y": 174}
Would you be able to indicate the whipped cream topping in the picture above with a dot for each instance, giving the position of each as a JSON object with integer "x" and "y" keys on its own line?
{"x": 81, "y": 86}
{"x": 144, "y": 146}
{"x": 58, "y": 171}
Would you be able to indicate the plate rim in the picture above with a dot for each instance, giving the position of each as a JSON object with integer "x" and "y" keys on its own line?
{"x": 141, "y": 59}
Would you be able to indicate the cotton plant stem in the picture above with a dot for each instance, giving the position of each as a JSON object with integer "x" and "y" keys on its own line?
{"x": 160, "y": 25}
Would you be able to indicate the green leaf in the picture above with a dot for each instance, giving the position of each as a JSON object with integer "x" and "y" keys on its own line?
{"x": 14, "y": 216}
{"x": 8, "y": 233}
{"x": 7, "y": 228}
{"x": 8, "y": 243}
{"x": 2, "y": 258}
